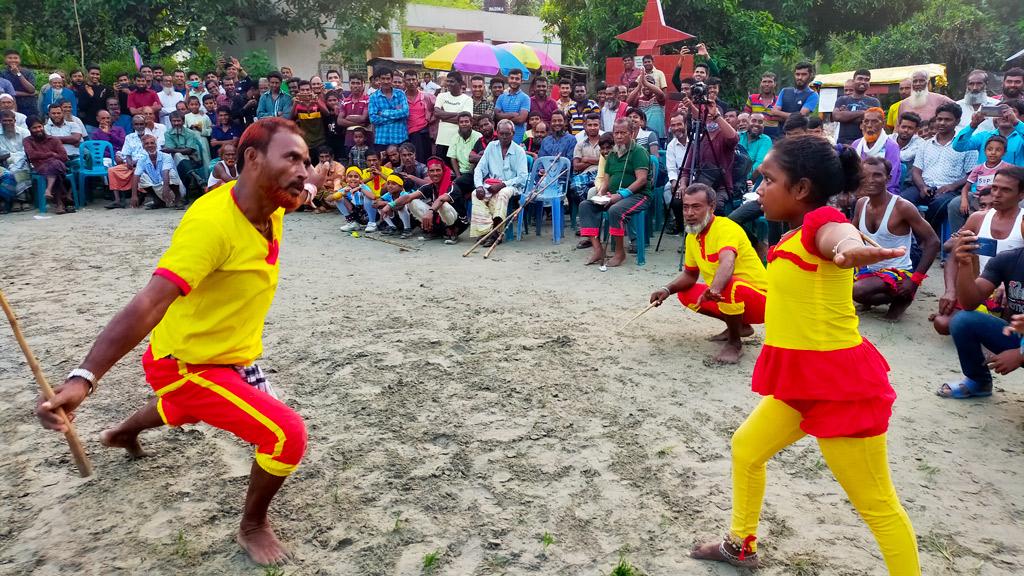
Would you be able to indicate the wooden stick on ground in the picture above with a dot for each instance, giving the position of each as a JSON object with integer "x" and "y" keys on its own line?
{"x": 515, "y": 214}
{"x": 639, "y": 314}
{"x": 77, "y": 451}
{"x": 397, "y": 244}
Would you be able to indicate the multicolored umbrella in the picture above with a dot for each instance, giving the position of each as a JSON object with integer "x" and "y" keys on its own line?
{"x": 532, "y": 57}
{"x": 475, "y": 58}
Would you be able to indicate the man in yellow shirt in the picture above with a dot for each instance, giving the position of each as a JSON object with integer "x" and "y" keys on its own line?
{"x": 375, "y": 176}
{"x": 893, "y": 116}
{"x": 718, "y": 249}
{"x": 205, "y": 306}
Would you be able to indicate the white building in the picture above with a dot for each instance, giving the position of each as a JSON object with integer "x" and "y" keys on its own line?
{"x": 302, "y": 50}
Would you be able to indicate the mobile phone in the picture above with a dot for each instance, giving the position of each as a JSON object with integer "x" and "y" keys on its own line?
{"x": 330, "y": 85}
{"x": 986, "y": 247}
{"x": 992, "y": 111}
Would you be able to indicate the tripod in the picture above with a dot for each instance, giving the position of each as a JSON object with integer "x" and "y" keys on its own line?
{"x": 696, "y": 134}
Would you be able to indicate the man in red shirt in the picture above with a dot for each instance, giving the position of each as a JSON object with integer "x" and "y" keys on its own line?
{"x": 354, "y": 109}
{"x": 421, "y": 116}
{"x": 142, "y": 96}
{"x": 541, "y": 101}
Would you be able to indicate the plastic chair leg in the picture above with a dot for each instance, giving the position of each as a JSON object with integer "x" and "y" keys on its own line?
{"x": 39, "y": 185}
{"x": 556, "y": 221}
{"x": 519, "y": 226}
{"x": 641, "y": 238}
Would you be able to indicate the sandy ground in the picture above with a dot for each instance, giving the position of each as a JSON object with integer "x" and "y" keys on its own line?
{"x": 467, "y": 407}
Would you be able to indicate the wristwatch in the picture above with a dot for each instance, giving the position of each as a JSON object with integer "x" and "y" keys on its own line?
{"x": 84, "y": 375}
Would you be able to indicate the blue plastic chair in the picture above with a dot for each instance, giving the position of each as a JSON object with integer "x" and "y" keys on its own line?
{"x": 656, "y": 215}
{"x": 90, "y": 157}
{"x": 39, "y": 189}
{"x": 552, "y": 195}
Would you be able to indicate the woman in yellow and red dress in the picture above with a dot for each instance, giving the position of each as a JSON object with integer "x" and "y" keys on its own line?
{"x": 817, "y": 374}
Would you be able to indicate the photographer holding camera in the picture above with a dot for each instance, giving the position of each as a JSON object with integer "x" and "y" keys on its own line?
{"x": 710, "y": 156}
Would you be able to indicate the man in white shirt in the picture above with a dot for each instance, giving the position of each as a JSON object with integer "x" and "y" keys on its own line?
{"x": 447, "y": 107}
{"x": 169, "y": 98}
{"x": 974, "y": 99}
{"x": 674, "y": 154}
{"x": 69, "y": 134}
{"x": 7, "y": 102}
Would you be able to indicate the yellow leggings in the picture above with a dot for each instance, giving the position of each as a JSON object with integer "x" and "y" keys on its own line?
{"x": 860, "y": 464}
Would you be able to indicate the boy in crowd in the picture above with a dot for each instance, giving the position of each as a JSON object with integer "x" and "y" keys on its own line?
{"x": 358, "y": 150}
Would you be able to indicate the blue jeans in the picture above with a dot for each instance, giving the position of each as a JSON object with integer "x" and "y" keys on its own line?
{"x": 972, "y": 330}
{"x": 371, "y": 212}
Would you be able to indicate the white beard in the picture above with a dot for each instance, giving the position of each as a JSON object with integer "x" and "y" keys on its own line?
{"x": 975, "y": 100}
{"x": 918, "y": 99}
{"x": 698, "y": 228}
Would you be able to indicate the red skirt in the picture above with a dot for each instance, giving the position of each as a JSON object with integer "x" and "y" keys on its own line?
{"x": 840, "y": 393}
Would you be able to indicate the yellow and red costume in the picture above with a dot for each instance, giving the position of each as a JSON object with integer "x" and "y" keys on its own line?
{"x": 820, "y": 377}
{"x": 227, "y": 273}
{"x": 746, "y": 290}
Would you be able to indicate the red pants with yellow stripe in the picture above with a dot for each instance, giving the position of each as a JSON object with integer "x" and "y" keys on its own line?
{"x": 738, "y": 297}
{"x": 218, "y": 396}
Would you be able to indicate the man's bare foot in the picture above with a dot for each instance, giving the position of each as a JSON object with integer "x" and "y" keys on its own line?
{"x": 896, "y": 310}
{"x": 730, "y": 353}
{"x": 864, "y": 307}
{"x": 261, "y": 544}
{"x": 746, "y": 331}
{"x": 616, "y": 260}
{"x": 724, "y": 551}
{"x": 595, "y": 257}
{"x": 111, "y": 438}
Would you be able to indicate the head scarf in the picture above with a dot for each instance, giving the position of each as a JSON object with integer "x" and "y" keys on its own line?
{"x": 54, "y": 76}
{"x": 445, "y": 185}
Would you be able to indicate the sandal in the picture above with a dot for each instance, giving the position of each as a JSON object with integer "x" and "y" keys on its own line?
{"x": 963, "y": 389}
{"x": 740, "y": 556}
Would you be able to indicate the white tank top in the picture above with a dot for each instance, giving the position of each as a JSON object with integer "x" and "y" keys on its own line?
{"x": 1012, "y": 240}
{"x": 214, "y": 181}
{"x": 887, "y": 239}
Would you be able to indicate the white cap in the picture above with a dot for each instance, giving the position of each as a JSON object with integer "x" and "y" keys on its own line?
{"x": 55, "y": 76}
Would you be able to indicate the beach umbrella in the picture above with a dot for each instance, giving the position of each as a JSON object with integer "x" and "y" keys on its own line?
{"x": 532, "y": 57}
{"x": 475, "y": 58}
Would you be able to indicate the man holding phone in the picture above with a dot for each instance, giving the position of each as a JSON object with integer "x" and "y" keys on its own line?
{"x": 1007, "y": 124}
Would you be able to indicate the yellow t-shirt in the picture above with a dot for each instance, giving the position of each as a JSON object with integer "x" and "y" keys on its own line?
{"x": 377, "y": 187}
{"x": 892, "y": 117}
{"x": 227, "y": 273}
{"x": 702, "y": 252}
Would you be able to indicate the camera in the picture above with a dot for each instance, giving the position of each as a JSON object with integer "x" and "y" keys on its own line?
{"x": 699, "y": 93}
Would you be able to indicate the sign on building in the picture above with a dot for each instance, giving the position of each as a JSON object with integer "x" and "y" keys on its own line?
{"x": 496, "y": 6}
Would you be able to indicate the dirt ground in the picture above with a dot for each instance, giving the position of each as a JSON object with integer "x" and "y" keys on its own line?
{"x": 459, "y": 410}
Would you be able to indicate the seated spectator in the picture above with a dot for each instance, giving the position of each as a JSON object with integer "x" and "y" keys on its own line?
{"x": 12, "y": 142}
{"x": 69, "y": 117}
{"x": 56, "y": 92}
{"x": 197, "y": 120}
{"x": 978, "y": 182}
{"x": 650, "y": 99}
{"x": 120, "y": 175}
{"x": 559, "y": 142}
{"x": 742, "y": 122}
{"x": 908, "y": 141}
{"x": 875, "y": 143}
{"x": 152, "y": 126}
{"x": 535, "y": 137}
{"x": 7, "y": 102}
{"x": 225, "y": 132}
{"x": 359, "y": 149}
{"x": 387, "y": 207}
{"x": 122, "y": 121}
{"x": 69, "y": 134}
{"x": 643, "y": 137}
{"x": 412, "y": 172}
{"x": 331, "y": 176}
{"x": 156, "y": 177}
{"x": 224, "y": 171}
{"x": 626, "y": 189}
{"x": 48, "y": 156}
{"x": 108, "y": 132}
{"x": 755, "y": 142}
{"x": 274, "y": 102}
{"x": 375, "y": 177}
{"x": 939, "y": 170}
{"x": 438, "y": 206}
{"x": 187, "y": 151}
{"x": 674, "y": 154}
{"x": 1003, "y": 222}
{"x": 500, "y": 175}
{"x": 585, "y": 157}
{"x": 975, "y": 332}
{"x": 353, "y": 200}
{"x": 391, "y": 157}
{"x": 736, "y": 282}
{"x": 463, "y": 154}
{"x": 896, "y": 223}
{"x": 923, "y": 101}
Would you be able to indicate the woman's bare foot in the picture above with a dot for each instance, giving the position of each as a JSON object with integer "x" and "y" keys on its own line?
{"x": 261, "y": 544}
{"x": 724, "y": 551}
{"x": 112, "y": 438}
{"x": 616, "y": 260}
{"x": 745, "y": 332}
{"x": 730, "y": 353}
